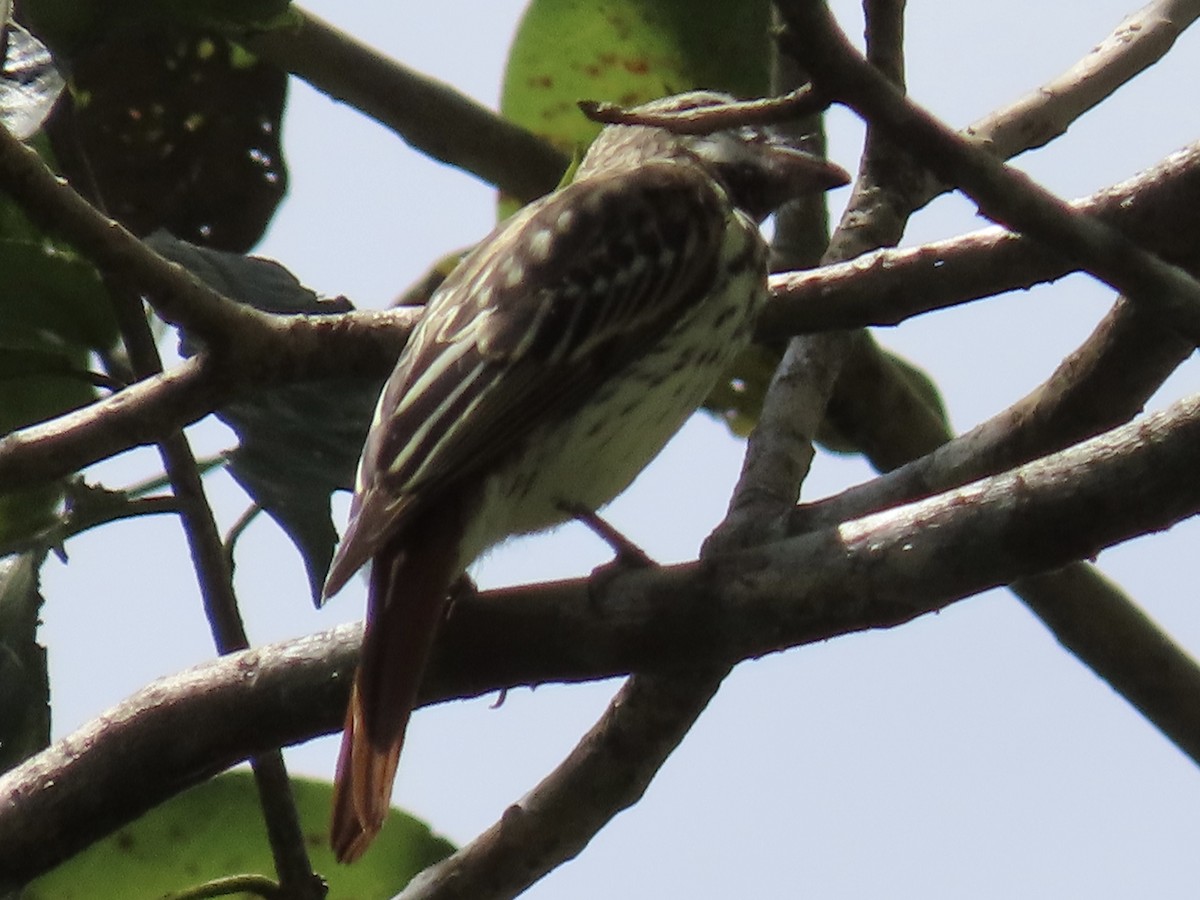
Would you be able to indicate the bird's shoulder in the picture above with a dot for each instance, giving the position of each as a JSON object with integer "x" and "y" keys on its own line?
{"x": 586, "y": 264}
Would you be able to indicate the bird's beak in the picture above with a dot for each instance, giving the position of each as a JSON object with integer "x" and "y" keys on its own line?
{"x": 803, "y": 172}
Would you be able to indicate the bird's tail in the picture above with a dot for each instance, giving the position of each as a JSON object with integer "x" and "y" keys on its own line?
{"x": 406, "y": 603}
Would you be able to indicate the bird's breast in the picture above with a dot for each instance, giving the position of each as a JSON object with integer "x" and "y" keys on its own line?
{"x": 590, "y": 456}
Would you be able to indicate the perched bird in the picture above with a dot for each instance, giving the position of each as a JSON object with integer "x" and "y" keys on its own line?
{"x": 548, "y": 369}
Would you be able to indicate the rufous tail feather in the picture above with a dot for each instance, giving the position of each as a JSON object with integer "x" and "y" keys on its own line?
{"x": 406, "y": 603}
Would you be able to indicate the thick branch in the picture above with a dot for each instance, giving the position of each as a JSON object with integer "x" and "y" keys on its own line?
{"x": 84, "y": 780}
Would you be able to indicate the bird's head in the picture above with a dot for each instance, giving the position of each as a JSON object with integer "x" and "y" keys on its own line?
{"x": 754, "y": 163}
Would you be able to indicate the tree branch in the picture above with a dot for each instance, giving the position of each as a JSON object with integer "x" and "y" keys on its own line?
{"x": 1105, "y": 630}
{"x": 873, "y": 572}
{"x": 84, "y": 779}
{"x": 1003, "y": 194}
{"x": 136, "y": 416}
{"x": 429, "y": 115}
{"x": 178, "y": 296}
{"x": 1159, "y": 208}
{"x": 1033, "y": 120}
{"x": 362, "y": 343}
{"x": 1043, "y": 114}
{"x": 1102, "y": 384}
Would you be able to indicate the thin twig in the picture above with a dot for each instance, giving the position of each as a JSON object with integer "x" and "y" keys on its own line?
{"x": 1045, "y": 113}
{"x": 215, "y": 576}
{"x": 258, "y": 885}
{"x": 204, "y": 465}
{"x": 1135, "y": 45}
{"x": 797, "y": 104}
{"x": 235, "y": 532}
{"x": 73, "y": 522}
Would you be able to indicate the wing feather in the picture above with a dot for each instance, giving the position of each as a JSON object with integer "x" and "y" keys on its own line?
{"x": 529, "y": 325}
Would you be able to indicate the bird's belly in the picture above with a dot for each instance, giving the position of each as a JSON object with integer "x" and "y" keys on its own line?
{"x": 591, "y": 456}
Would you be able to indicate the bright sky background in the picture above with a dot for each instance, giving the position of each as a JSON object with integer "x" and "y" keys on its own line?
{"x": 963, "y": 755}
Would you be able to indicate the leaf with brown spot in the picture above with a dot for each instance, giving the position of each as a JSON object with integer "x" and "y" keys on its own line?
{"x": 628, "y": 51}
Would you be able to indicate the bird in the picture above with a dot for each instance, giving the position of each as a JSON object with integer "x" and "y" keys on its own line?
{"x": 547, "y": 370}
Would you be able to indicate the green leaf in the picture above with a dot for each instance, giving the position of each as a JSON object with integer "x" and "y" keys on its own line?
{"x": 216, "y": 830}
{"x": 51, "y": 290}
{"x": 55, "y": 312}
{"x": 297, "y": 443}
{"x": 24, "y": 683}
{"x": 628, "y": 52}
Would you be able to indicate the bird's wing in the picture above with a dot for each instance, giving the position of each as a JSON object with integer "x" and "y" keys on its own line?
{"x": 528, "y": 326}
